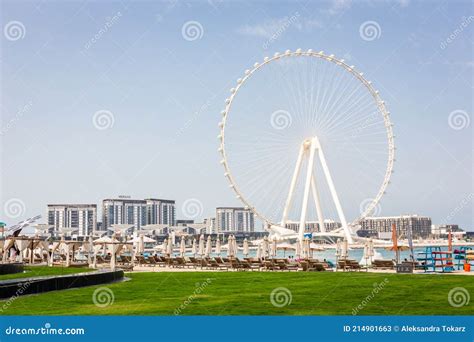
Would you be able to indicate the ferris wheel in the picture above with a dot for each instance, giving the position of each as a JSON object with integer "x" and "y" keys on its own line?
{"x": 304, "y": 137}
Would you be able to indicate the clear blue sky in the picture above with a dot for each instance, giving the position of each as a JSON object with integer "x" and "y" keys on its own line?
{"x": 166, "y": 92}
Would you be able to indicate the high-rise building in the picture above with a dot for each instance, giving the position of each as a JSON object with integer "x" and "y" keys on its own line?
{"x": 80, "y": 216}
{"x": 382, "y": 226}
{"x": 211, "y": 227}
{"x": 234, "y": 219}
{"x": 137, "y": 212}
{"x": 160, "y": 211}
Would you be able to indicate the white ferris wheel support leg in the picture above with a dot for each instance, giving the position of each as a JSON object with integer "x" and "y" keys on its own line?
{"x": 311, "y": 144}
{"x": 289, "y": 199}
{"x": 332, "y": 189}
{"x": 317, "y": 202}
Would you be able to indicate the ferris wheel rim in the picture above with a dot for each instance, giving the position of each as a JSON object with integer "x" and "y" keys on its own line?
{"x": 349, "y": 68}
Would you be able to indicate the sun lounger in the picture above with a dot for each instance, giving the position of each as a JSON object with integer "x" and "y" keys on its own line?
{"x": 383, "y": 264}
{"x": 140, "y": 259}
{"x": 286, "y": 266}
{"x": 222, "y": 262}
{"x": 218, "y": 266}
{"x": 249, "y": 265}
{"x": 269, "y": 265}
{"x": 150, "y": 261}
{"x": 349, "y": 265}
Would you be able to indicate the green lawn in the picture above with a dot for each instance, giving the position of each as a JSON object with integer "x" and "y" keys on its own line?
{"x": 248, "y": 293}
{"x": 36, "y": 271}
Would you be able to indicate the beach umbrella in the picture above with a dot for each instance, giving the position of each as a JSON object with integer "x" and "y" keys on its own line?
{"x": 182, "y": 247}
{"x": 371, "y": 251}
{"x": 193, "y": 247}
{"x": 141, "y": 244}
{"x": 265, "y": 247}
{"x": 395, "y": 243}
{"x": 259, "y": 252}
{"x": 338, "y": 248}
{"x": 90, "y": 249}
{"x": 201, "y": 245}
{"x": 274, "y": 248}
{"x": 298, "y": 249}
{"x": 169, "y": 249}
{"x": 164, "y": 246}
{"x": 173, "y": 237}
{"x": 234, "y": 245}
{"x": 345, "y": 249}
{"x": 306, "y": 251}
{"x": 246, "y": 247}
{"x": 231, "y": 248}
{"x": 218, "y": 246}
{"x": 208, "y": 246}
{"x": 365, "y": 260}
{"x": 450, "y": 241}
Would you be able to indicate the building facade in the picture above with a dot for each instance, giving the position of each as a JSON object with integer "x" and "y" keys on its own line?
{"x": 381, "y": 227}
{"x": 313, "y": 226}
{"x": 137, "y": 212}
{"x": 234, "y": 220}
{"x": 80, "y": 216}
